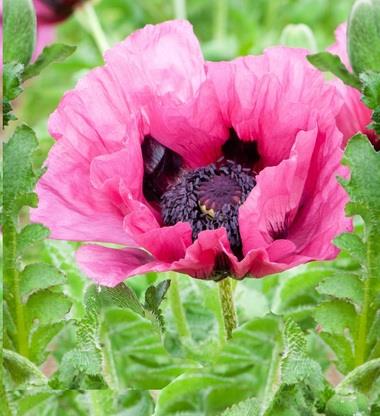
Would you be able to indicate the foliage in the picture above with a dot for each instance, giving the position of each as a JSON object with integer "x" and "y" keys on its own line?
{"x": 308, "y": 339}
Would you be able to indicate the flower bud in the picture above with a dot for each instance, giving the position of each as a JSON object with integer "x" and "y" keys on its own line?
{"x": 299, "y": 36}
{"x": 345, "y": 405}
{"x": 364, "y": 36}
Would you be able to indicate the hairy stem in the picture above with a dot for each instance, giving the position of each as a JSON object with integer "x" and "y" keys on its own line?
{"x": 272, "y": 380}
{"x": 177, "y": 307}
{"x": 228, "y": 306}
{"x": 364, "y": 316}
{"x": 12, "y": 277}
{"x": 179, "y": 7}
{"x": 95, "y": 27}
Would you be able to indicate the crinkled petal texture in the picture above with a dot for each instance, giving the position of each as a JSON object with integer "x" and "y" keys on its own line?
{"x": 354, "y": 116}
{"x": 157, "y": 84}
{"x": 270, "y": 98}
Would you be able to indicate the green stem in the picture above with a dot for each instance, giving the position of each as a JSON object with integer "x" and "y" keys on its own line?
{"x": 179, "y": 7}
{"x": 272, "y": 378}
{"x": 220, "y": 19}
{"x": 95, "y": 27}
{"x": 177, "y": 307}
{"x": 110, "y": 367}
{"x": 12, "y": 277}
{"x": 5, "y": 407}
{"x": 228, "y": 307}
{"x": 364, "y": 316}
{"x": 96, "y": 400}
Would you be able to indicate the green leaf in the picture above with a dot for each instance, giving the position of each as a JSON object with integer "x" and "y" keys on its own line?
{"x": 325, "y": 61}
{"x": 296, "y": 367}
{"x": 136, "y": 345}
{"x": 57, "y": 52}
{"x": 343, "y": 349}
{"x": 29, "y": 235}
{"x": 343, "y": 286}
{"x": 154, "y": 295}
{"x": 121, "y": 296}
{"x": 79, "y": 370}
{"x": 371, "y": 97}
{"x": 19, "y": 30}
{"x": 40, "y": 339}
{"x": 39, "y": 276}
{"x": 371, "y": 89}
{"x": 12, "y": 73}
{"x": 22, "y": 370}
{"x": 352, "y": 244}
{"x": 298, "y": 290}
{"x": 243, "y": 361}
{"x": 336, "y": 316}
{"x": 363, "y": 34}
{"x": 302, "y": 389}
{"x": 47, "y": 307}
{"x": 19, "y": 177}
{"x": 249, "y": 407}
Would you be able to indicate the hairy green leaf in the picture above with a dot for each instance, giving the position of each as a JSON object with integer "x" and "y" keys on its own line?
{"x": 336, "y": 316}
{"x": 326, "y": 61}
{"x": 21, "y": 370}
{"x": 57, "y": 52}
{"x": 79, "y": 370}
{"x": 39, "y": 276}
{"x": 121, "y": 296}
{"x": 154, "y": 295}
{"x": 29, "y": 235}
{"x": 19, "y": 176}
{"x": 12, "y": 73}
{"x": 343, "y": 286}
{"x": 19, "y": 30}
{"x": 47, "y": 307}
{"x": 40, "y": 339}
{"x": 343, "y": 349}
{"x": 249, "y": 407}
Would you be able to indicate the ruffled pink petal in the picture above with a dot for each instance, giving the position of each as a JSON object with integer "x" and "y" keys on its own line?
{"x": 161, "y": 69}
{"x": 270, "y": 98}
{"x": 295, "y": 210}
{"x": 167, "y": 244}
{"x": 79, "y": 194}
{"x": 354, "y": 117}
{"x": 109, "y": 266}
{"x": 73, "y": 209}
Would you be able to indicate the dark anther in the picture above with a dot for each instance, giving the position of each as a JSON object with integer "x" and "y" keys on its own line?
{"x": 209, "y": 198}
{"x": 161, "y": 168}
{"x": 242, "y": 152}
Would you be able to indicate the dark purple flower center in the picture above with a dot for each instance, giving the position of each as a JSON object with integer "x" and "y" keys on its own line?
{"x": 209, "y": 198}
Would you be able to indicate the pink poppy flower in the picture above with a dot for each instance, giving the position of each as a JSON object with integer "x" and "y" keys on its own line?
{"x": 354, "y": 116}
{"x": 208, "y": 169}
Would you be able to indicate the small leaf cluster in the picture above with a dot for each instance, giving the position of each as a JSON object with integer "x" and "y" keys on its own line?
{"x": 35, "y": 305}
{"x": 18, "y": 50}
